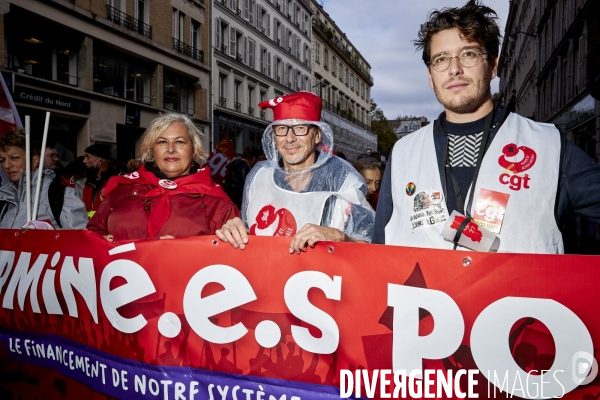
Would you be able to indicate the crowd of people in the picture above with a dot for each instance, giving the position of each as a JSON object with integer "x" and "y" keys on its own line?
{"x": 522, "y": 177}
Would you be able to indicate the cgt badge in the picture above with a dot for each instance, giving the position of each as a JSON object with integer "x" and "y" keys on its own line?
{"x": 410, "y": 188}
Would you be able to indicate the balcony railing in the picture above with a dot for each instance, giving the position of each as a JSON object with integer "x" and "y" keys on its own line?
{"x": 345, "y": 115}
{"x": 262, "y": 115}
{"x": 133, "y": 24}
{"x": 221, "y": 48}
{"x": 237, "y": 106}
{"x": 223, "y": 101}
{"x": 188, "y": 50}
{"x": 251, "y": 111}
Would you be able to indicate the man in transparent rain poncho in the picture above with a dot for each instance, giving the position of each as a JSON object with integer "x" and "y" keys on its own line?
{"x": 301, "y": 191}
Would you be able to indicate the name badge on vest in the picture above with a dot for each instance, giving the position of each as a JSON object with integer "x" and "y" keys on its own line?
{"x": 427, "y": 209}
{"x": 490, "y": 208}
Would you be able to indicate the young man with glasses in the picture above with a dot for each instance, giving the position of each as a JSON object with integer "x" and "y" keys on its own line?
{"x": 512, "y": 176}
{"x": 302, "y": 190}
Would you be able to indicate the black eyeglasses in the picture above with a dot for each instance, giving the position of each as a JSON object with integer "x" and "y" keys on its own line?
{"x": 298, "y": 130}
{"x": 467, "y": 58}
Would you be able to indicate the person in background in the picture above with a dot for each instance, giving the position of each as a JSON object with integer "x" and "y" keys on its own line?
{"x": 169, "y": 196}
{"x": 57, "y": 204}
{"x": 133, "y": 165}
{"x": 370, "y": 169}
{"x": 51, "y": 159}
{"x": 237, "y": 170}
{"x": 74, "y": 176}
{"x": 99, "y": 170}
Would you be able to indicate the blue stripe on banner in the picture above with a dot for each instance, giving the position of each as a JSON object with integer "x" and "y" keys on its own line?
{"x": 124, "y": 378}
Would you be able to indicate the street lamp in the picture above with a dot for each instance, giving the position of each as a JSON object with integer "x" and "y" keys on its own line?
{"x": 323, "y": 85}
{"x": 513, "y": 37}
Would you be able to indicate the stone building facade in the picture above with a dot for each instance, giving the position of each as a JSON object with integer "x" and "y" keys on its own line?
{"x": 261, "y": 50}
{"x": 105, "y": 68}
{"x": 342, "y": 78}
{"x": 549, "y": 66}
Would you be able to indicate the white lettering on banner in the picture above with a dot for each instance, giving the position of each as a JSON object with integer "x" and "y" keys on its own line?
{"x": 81, "y": 280}
{"x": 7, "y": 260}
{"x": 295, "y": 294}
{"x": 198, "y": 310}
{"x": 491, "y": 351}
{"x": 489, "y": 335}
{"x": 408, "y": 348}
{"x": 138, "y": 285}
{"x": 26, "y": 280}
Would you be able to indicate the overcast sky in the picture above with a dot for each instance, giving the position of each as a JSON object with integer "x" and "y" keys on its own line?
{"x": 383, "y": 31}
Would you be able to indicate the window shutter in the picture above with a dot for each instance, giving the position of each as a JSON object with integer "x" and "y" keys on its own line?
{"x": 269, "y": 64}
{"x": 245, "y": 50}
{"x": 218, "y": 33}
{"x": 258, "y": 17}
{"x": 246, "y": 9}
{"x": 298, "y": 45}
{"x": 268, "y": 25}
{"x": 251, "y": 53}
{"x": 232, "y": 41}
{"x": 285, "y": 74}
{"x": 303, "y": 25}
{"x": 251, "y": 11}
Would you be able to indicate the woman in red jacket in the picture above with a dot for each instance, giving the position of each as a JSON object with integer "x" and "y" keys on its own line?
{"x": 170, "y": 195}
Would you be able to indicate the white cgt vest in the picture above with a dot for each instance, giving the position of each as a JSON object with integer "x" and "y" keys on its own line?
{"x": 274, "y": 211}
{"x": 522, "y": 161}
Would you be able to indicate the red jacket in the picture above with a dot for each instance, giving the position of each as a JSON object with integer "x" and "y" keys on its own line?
{"x": 142, "y": 206}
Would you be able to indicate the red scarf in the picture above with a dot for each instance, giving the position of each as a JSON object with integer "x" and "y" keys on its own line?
{"x": 198, "y": 183}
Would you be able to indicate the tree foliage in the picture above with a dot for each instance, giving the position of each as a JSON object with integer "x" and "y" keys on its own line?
{"x": 381, "y": 127}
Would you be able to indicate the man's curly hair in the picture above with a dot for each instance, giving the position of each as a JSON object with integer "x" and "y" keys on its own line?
{"x": 476, "y": 23}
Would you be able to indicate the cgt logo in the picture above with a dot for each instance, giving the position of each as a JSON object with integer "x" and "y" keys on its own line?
{"x": 516, "y": 160}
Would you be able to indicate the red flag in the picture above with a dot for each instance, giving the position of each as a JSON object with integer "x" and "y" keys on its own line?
{"x": 219, "y": 158}
{"x": 9, "y": 118}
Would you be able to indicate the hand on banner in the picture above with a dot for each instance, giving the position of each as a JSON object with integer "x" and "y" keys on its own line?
{"x": 234, "y": 231}
{"x": 311, "y": 234}
{"x": 167, "y": 237}
{"x": 109, "y": 238}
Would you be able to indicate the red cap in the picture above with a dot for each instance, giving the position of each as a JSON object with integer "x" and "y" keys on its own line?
{"x": 300, "y": 105}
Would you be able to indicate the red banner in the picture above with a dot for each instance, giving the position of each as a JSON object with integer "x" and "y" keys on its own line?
{"x": 222, "y": 155}
{"x": 195, "y": 318}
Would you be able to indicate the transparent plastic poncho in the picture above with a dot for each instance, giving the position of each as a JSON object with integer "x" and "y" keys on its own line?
{"x": 328, "y": 173}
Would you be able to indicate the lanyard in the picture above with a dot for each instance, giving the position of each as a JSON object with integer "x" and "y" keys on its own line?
{"x": 482, "y": 150}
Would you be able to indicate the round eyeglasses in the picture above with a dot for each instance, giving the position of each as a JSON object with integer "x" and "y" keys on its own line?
{"x": 468, "y": 59}
{"x": 298, "y": 130}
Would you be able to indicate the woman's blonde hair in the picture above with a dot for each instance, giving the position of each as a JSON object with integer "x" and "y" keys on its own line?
{"x": 160, "y": 124}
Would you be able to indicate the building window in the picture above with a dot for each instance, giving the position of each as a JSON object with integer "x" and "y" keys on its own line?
{"x": 120, "y": 75}
{"x": 178, "y": 17}
{"x": 141, "y": 10}
{"x": 250, "y": 101}
{"x": 221, "y": 29}
{"x": 33, "y": 49}
{"x": 236, "y": 96}
{"x": 318, "y": 52}
{"x": 222, "y": 90}
{"x": 179, "y": 93}
{"x": 195, "y": 35}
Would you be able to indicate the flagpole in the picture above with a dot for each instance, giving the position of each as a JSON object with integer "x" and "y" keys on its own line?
{"x": 41, "y": 168}
{"x": 27, "y": 167}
